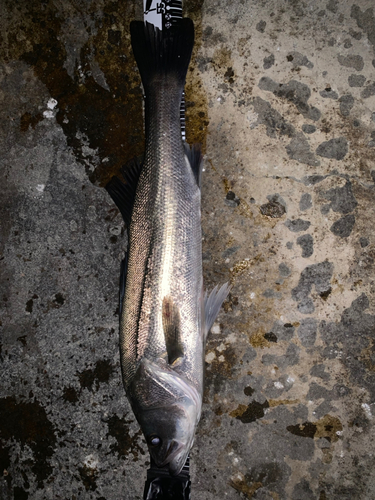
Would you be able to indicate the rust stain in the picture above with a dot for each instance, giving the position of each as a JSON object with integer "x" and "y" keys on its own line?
{"x": 327, "y": 427}
{"x": 277, "y": 402}
{"x": 242, "y": 266}
{"x": 258, "y": 339}
{"x": 249, "y": 413}
{"x": 239, "y": 484}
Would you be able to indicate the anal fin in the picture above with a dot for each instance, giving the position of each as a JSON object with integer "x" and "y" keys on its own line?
{"x": 172, "y": 329}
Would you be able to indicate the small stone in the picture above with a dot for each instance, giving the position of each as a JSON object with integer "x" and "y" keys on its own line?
{"x": 351, "y": 61}
{"x": 368, "y": 91}
{"x": 344, "y": 226}
{"x": 272, "y": 209}
{"x": 269, "y": 61}
{"x": 284, "y": 270}
{"x": 346, "y": 103}
{"x": 231, "y": 199}
{"x": 308, "y": 129}
{"x": 261, "y": 26}
{"x": 364, "y": 242}
{"x": 356, "y": 80}
{"x": 297, "y": 225}
{"x": 335, "y": 148}
{"x": 305, "y": 202}
{"x": 306, "y": 242}
{"x": 328, "y": 93}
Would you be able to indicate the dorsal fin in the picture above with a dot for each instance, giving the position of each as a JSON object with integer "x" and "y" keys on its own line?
{"x": 194, "y": 155}
{"x": 212, "y": 304}
{"x": 123, "y": 193}
{"x": 172, "y": 329}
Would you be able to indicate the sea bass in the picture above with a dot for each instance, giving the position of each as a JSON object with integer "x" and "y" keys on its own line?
{"x": 165, "y": 316}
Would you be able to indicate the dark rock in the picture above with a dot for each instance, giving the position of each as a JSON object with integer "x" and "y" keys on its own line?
{"x": 308, "y": 129}
{"x": 307, "y": 331}
{"x": 269, "y": 61}
{"x": 356, "y": 80}
{"x": 351, "y": 61}
{"x": 297, "y": 225}
{"x": 346, "y": 104}
{"x": 328, "y": 93}
{"x": 368, "y": 91}
{"x": 284, "y": 270}
{"x": 344, "y": 226}
{"x": 261, "y": 26}
{"x": 296, "y": 92}
{"x": 317, "y": 274}
{"x": 305, "y": 202}
{"x": 335, "y": 148}
{"x": 299, "y": 149}
{"x": 306, "y": 242}
{"x": 342, "y": 198}
{"x": 298, "y": 59}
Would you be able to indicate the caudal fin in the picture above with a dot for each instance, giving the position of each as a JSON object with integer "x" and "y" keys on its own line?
{"x": 162, "y": 53}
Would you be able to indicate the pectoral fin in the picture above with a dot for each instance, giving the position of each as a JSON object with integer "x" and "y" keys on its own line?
{"x": 212, "y": 304}
{"x": 194, "y": 155}
{"x": 172, "y": 330}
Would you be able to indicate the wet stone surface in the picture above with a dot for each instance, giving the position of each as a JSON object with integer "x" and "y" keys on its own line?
{"x": 282, "y": 97}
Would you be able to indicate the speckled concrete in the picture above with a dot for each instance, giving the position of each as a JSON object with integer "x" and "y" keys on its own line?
{"x": 282, "y": 97}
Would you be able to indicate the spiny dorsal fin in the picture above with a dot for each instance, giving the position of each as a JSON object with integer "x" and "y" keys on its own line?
{"x": 194, "y": 155}
{"x": 172, "y": 330}
{"x": 212, "y": 304}
{"x": 123, "y": 193}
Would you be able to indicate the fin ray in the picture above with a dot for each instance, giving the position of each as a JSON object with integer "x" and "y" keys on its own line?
{"x": 123, "y": 193}
{"x": 212, "y": 305}
{"x": 194, "y": 155}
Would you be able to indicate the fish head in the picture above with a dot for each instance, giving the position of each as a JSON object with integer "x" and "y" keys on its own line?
{"x": 167, "y": 408}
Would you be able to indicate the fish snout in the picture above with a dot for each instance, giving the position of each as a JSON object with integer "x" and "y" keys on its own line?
{"x": 176, "y": 465}
{"x": 174, "y": 456}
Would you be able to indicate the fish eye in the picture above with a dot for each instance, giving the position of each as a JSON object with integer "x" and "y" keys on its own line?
{"x": 154, "y": 440}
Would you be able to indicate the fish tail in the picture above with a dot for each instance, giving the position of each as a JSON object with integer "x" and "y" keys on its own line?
{"x": 162, "y": 54}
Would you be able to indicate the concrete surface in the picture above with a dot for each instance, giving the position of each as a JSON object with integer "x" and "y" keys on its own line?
{"x": 282, "y": 96}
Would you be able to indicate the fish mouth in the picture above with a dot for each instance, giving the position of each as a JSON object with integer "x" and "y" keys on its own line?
{"x": 173, "y": 450}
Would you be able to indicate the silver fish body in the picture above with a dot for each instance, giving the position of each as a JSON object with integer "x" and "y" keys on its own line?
{"x": 165, "y": 316}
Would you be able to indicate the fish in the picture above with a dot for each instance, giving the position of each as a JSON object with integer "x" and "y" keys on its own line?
{"x": 165, "y": 315}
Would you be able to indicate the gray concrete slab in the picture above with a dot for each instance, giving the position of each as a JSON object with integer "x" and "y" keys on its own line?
{"x": 282, "y": 97}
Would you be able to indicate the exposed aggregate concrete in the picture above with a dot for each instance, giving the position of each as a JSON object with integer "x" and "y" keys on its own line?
{"x": 282, "y": 97}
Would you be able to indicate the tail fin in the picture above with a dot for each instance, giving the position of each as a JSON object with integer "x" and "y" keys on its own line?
{"x": 162, "y": 53}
